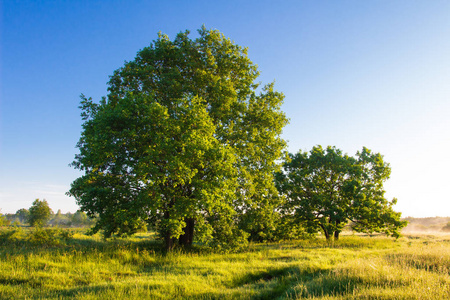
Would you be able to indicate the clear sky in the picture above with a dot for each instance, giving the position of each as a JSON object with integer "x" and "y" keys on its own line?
{"x": 354, "y": 73}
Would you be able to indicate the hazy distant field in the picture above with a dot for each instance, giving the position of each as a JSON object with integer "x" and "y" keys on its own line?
{"x": 59, "y": 265}
{"x": 427, "y": 225}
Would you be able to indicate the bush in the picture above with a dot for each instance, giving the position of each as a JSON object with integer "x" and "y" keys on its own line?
{"x": 4, "y": 221}
{"x": 38, "y": 236}
{"x": 49, "y": 237}
{"x": 11, "y": 236}
{"x": 446, "y": 228}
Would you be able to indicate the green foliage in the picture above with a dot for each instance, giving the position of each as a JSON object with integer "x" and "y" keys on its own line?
{"x": 290, "y": 228}
{"x": 326, "y": 188}
{"x": 39, "y": 213}
{"x": 80, "y": 219}
{"x": 38, "y": 236}
{"x": 60, "y": 219}
{"x": 49, "y": 237}
{"x": 4, "y": 221}
{"x": 9, "y": 237}
{"x": 23, "y": 215}
{"x": 183, "y": 142}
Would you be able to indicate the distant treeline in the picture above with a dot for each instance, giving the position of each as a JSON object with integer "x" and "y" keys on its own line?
{"x": 22, "y": 217}
{"x": 439, "y": 224}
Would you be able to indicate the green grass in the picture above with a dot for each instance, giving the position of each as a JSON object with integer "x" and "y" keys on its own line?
{"x": 57, "y": 265}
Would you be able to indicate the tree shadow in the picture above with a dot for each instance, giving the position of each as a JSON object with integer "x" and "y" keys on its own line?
{"x": 76, "y": 292}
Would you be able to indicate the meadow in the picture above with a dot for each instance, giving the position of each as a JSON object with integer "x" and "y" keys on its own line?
{"x": 67, "y": 264}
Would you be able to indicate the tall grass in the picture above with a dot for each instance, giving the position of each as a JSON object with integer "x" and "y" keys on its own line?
{"x": 58, "y": 265}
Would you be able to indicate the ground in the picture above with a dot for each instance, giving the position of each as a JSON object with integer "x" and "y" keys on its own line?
{"x": 59, "y": 264}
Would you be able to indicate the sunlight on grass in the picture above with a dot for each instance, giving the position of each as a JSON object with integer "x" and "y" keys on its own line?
{"x": 356, "y": 267}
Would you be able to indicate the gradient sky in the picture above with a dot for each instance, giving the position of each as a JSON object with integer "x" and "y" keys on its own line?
{"x": 354, "y": 73}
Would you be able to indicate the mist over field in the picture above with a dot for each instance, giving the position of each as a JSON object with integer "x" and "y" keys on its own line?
{"x": 436, "y": 225}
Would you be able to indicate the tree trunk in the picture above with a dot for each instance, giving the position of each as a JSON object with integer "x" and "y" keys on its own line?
{"x": 169, "y": 241}
{"x": 187, "y": 237}
{"x": 336, "y": 233}
{"x": 325, "y": 231}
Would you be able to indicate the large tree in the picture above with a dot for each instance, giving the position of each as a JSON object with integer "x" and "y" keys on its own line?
{"x": 326, "y": 189}
{"x": 185, "y": 140}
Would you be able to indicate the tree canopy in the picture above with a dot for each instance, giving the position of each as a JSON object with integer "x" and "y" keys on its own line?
{"x": 23, "y": 215}
{"x": 185, "y": 141}
{"x": 326, "y": 188}
{"x": 39, "y": 213}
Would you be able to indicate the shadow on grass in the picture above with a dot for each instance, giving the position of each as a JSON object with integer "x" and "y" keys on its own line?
{"x": 276, "y": 282}
{"x": 345, "y": 242}
{"x": 19, "y": 281}
{"x": 265, "y": 276}
{"x": 293, "y": 282}
{"x": 340, "y": 283}
{"x": 75, "y": 293}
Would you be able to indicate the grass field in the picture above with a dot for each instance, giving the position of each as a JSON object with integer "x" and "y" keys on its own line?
{"x": 56, "y": 264}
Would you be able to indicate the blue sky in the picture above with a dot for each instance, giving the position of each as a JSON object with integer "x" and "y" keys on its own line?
{"x": 354, "y": 73}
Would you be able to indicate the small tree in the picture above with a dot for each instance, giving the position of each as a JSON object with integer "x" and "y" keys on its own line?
{"x": 23, "y": 215}
{"x": 40, "y": 213}
{"x": 326, "y": 188}
{"x": 79, "y": 218}
{"x": 59, "y": 219}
